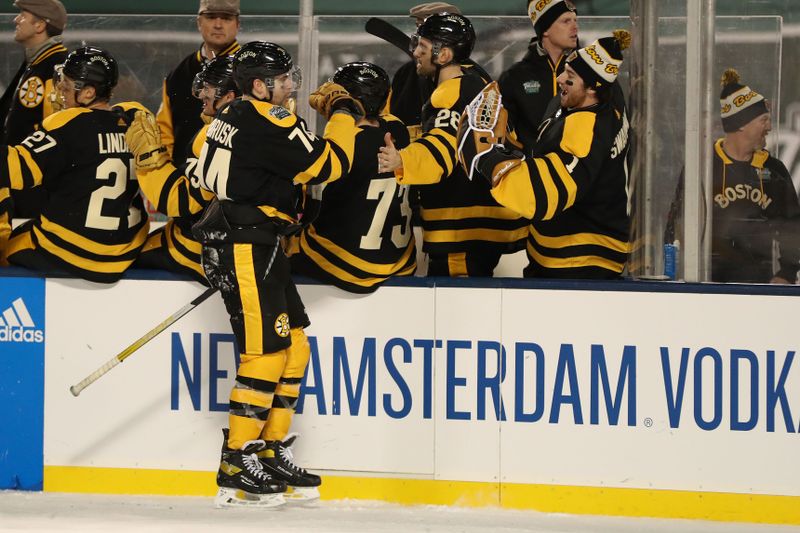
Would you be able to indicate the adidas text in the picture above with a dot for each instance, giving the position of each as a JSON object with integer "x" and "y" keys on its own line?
{"x": 8, "y": 334}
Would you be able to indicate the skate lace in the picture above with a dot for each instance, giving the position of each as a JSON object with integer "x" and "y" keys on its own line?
{"x": 254, "y": 467}
{"x": 288, "y": 459}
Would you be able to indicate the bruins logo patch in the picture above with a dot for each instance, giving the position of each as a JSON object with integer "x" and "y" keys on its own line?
{"x": 282, "y": 325}
{"x": 31, "y": 92}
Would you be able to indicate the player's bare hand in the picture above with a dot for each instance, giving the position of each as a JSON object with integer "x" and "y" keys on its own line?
{"x": 388, "y": 156}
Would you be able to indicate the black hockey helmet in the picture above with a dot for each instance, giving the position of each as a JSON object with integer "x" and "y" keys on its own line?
{"x": 448, "y": 29}
{"x": 261, "y": 60}
{"x": 219, "y": 74}
{"x": 93, "y": 66}
{"x": 366, "y": 82}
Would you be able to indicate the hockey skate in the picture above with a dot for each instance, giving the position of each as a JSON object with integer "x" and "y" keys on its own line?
{"x": 242, "y": 480}
{"x": 278, "y": 461}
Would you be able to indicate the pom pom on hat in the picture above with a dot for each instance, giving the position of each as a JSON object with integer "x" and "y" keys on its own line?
{"x": 598, "y": 64}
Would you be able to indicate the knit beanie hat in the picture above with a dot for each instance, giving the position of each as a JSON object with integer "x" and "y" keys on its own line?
{"x": 739, "y": 103}
{"x": 598, "y": 64}
{"x": 543, "y": 13}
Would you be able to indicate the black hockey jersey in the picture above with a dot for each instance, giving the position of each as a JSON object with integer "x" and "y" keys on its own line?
{"x": 94, "y": 221}
{"x": 410, "y": 91}
{"x": 458, "y": 215}
{"x": 256, "y": 153}
{"x": 575, "y": 190}
{"x": 179, "y": 115}
{"x": 362, "y": 235}
{"x": 175, "y": 194}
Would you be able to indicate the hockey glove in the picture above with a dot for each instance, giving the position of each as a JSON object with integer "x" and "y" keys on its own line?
{"x": 481, "y": 127}
{"x": 497, "y": 162}
{"x": 144, "y": 140}
{"x": 330, "y": 97}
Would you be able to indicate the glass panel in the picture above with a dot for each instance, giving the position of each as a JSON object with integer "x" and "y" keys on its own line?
{"x": 147, "y": 47}
{"x": 761, "y": 38}
{"x": 500, "y": 41}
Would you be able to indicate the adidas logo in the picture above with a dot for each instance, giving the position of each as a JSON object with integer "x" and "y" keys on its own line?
{"x": 16, "y": 324}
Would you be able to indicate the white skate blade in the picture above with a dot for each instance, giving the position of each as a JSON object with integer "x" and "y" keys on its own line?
{"x": 301, "y": 494}
{"x": 238, "y": 498}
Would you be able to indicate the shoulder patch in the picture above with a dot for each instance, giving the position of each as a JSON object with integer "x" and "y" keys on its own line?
{"x": 274, "y": 113}
{"x": 31, "y": 92}
{"x": 58, "y": 120}
{"x": 279, "y": 112}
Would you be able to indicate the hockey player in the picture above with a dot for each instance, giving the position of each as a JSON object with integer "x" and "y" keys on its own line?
{"x": 362, "y": 234}
{"x": 173, "y": 247}
{"x": 529, "y": 85}
{"x": 575, "y": 187}
{"x": 179, "y": 114}
{"x": 255, "y": 153}
{"x": 465, "y": 231}
{"x": 93, "y": 224}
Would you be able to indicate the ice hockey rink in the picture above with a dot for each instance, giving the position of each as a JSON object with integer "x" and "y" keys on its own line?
{"x": 37, "y": 511}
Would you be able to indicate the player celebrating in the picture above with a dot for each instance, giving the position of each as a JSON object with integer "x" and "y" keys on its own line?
{"x": 465, "y": 231}
{"x": 255, "y": 153}
{"x": 173, "y": 247}
{"x": 362, "y": 234}
{"x": 93, "y": 223}
{"x": 575, "y": 187}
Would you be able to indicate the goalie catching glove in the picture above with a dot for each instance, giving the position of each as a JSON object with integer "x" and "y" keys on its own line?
{"x": 330, "y": 97}
{"x": 144, "y": 141}
{"x": 482, "y": 131}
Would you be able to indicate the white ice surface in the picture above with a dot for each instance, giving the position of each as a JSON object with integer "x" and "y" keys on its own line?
{"x": 27, "y": 511}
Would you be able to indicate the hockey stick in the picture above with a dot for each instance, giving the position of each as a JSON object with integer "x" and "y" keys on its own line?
{"x": 144, "y": 339}
{"x": 389, "y": 33}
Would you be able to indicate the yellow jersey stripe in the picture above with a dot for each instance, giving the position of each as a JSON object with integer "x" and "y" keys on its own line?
{"x": 574, "y": 262}
{"x": 105, "y": 267}
{"x": 14, "y": 169}
{"x": 445, "y": 147}
{"x": 248, "y": 292}
{"x": 274, "y": 213}
{"x": 477, "y": 234}
{"x": 47, "y": 53}
{"x": 460, "y": 213}
{"x": 95, "y": 247}
{"x": 549, "y": 186}
{"x": 581, "y": 239}
{"x": 36, "y": 172}
{"x": 566, "y": 179}
{"x": 180, "y": 258}
{"x": 334, "y": 270}
{"x": 315, "y": 168}
{"x": 386, "y": 269}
